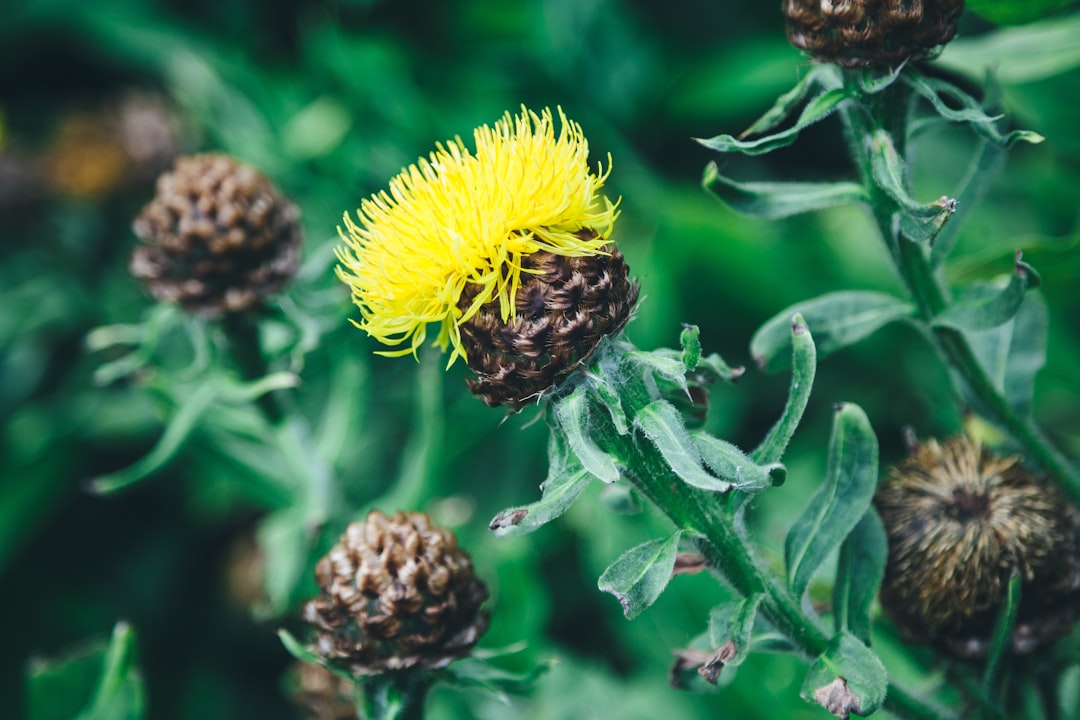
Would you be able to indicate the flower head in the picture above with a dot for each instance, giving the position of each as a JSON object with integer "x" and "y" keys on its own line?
{"x": 462, "y": 224}
{"x": 397, "y": 592}
{"x": 217, "y": 238}
{"x": 960, "y": 522}
{"x": 858, "y": 33}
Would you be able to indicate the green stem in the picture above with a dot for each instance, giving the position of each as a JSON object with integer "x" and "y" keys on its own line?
{"x": 395, "y": 696}
{"x": 931, "y": 297}
{"x": 242, "y": 332}
{"x": 698, "y": 512}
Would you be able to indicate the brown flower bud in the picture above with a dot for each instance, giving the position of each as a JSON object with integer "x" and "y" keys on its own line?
{"x": 564, "y": 307}
{"x": 858, "y": 33}
{"x": 218, "y": 237}
{"x": 397, "y": 593}
{"x": 960, "y": 522}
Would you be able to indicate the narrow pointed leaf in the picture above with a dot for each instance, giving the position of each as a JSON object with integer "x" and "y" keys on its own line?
{"x": 472, "y": 672}
{"x": 301, "y": 653}
{"x": 661, "y": 423}
{"x": 817, "y": 109}
{"x": 566, "y": 481}
{"x": 847, "y": 678}
{"x": 734, "y": 622}
{"x": 1035, "y": 51}
{"x": 786, "y": 103}
{"x": 1001, "y": 640}
{"x": 774, "y": 200}
{"x": 938, "y": 91}
{"x": 837, "y": 320}
{"x": 1027, "y": 352}
{"x": 664, "y": 362}
{"x": 988, "y": 306}
{"x": 732, "y": 464}
{"x": 917, "y": 221}
{"x": 860, "y": 570}
{"x": 640, "y": 574}
{"x": 120, "y": 694}
{"x": 179, "y": 429}
{"x": 984, "y": 168}
{"x": 841, "y": 500}
{"x": 803, "y": 369}
{"x": 572, "y": 416}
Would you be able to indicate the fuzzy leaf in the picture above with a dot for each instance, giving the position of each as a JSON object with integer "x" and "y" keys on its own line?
{"x": 565, "y": 482}
{"x": 572, "y": 416}
{"x": 664, "y": 362}
{"x": 847, "y": 678}
{"x": 661, "y": 423}
{"x": 734, "y": 622}
{"x": 817, "y": 109}
{"x": 690, "y": 341}
{"x": 1018, "y": 55}
{"x": 823, "y": 74}
{"x": 472, "y": 672}
{"x": 732, "y": 464}
{"x": 640, "y": 574}
{"x": 803, "y": 369}
{"x": 988, "y": 306}
{"x": 860, "y": 570}
{"x": 301, "y": 653}
{"x": 841, "y": 500}
{"x": 836, "y": 319}
{"x": 774, "y": 200}
{"x": 917, "y": 221}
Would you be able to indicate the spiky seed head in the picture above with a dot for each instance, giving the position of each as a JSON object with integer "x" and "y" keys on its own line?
{"x": 960, "y": 522}
{"x": 564, "y": 307}
{"x": 217, "y": 238}
{"x": 397, "y": 593}
{"x": 862, "y": 33}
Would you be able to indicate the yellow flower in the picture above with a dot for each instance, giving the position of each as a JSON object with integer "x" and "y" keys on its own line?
{"x": 463, "y": 218}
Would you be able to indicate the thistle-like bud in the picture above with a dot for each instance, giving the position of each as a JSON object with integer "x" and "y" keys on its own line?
{"x": 397, "y": 593}
{"x": 564, "y": 307}
{"x": 218, "y": 237}
{"x": 960, "y": 522}
{"x": 860, "y": 33}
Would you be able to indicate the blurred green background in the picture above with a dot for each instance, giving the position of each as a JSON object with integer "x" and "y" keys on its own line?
{"x": 330, "y": 99}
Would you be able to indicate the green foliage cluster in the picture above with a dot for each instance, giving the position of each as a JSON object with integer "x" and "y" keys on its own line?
{"x": 140, "y": 480}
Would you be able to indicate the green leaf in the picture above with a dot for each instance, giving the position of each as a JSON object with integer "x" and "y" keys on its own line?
{"x": 847, "y": 678}
{"x": 640, "y": 574}
{"x": 664, "y": 362}
{"x": 1027, "y": 352}
{"x": 983, "y": 170}
{"x": 733, "y": 465}
{"x": 179, "y": 429}
{"x": 824, "y": 75}
{"x": 734, "y": 622}
{"x": 917, "y": 221}
{"x": 59, "y": 689}
{"x": 841, "y": 500}
{"x": 987, "y": 306}
{"x": 661, "y": 423}
{"x": 473, "y": 672}
{"x": 565, "y": 482}
{"x": 1018, "y": 55}
{"x": 774, "y": 200}
{"x": 803, "y": 369}
{"x": 860, "y": 569}
{"x": 284, "y": 538}
{"x": 938, "y": 92}
{"x": 1001, "y": 640}
{"x": 836, "y": 319}
{"x": 317, "y": 129}
{"x": 817, "y": 109}
{"x": 301, "y": 653}
{"x": 572, "y": 417}
{"x": 690, "y": 341}
{"x": 120, "y": 693}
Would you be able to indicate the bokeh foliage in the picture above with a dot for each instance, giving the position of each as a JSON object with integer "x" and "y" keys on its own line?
{"x": 330, "y": 99}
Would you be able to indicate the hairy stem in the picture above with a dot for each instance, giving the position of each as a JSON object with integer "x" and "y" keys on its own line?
{"x": 931, "y": 297}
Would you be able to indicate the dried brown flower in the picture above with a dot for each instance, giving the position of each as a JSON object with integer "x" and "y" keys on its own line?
{"x": 564, "y": 307}
{"x": 218, "y": 237}
{"x": 857, "y": 33}
{"x": 397, "y": 593}
{"x": 960, "y": 521}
